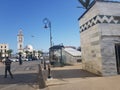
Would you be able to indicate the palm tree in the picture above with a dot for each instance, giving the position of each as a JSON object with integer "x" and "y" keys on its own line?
{"x": 85, "y": 3}
{"x": 9, "y": 52}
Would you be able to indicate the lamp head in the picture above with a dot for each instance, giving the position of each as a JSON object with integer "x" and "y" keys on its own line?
{"x": 45, "y": 26}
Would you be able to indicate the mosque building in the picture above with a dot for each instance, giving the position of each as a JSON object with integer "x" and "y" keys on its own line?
{"x": 28, "y": 49}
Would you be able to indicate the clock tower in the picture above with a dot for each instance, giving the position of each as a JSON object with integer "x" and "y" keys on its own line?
{"x": 20, "y": 41}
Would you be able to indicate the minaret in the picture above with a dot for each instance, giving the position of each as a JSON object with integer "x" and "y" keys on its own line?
{"x": 20, "y": 41}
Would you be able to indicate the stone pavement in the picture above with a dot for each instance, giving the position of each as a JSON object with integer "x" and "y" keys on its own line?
{"x": 97, "y": 83}
{"x": 64, "y": 78}
{"x": 25, "y": 77}
{"x": 1, "y": 64}
{"x": 74, "y": 78}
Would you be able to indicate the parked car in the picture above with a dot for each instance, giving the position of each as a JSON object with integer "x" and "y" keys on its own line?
{"x": 25, "y": 59}
{"x": 3, "y": 60}
{"x": 47, "y": 61}
{"x": 14, "y": 59}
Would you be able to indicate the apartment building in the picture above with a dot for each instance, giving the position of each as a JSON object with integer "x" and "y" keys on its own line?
{"x": 3, "y": 49}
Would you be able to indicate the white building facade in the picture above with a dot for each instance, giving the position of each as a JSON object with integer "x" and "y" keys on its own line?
{"x": 20, "y": 40}
{"x": 100, "y": 38}
{"x": 71, "y": 56}
{"x": 3, "y": 50}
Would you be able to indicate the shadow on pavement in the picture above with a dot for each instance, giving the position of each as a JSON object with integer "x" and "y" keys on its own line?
{"x": 71, "y": 73}
{"x": 27, "y": 78}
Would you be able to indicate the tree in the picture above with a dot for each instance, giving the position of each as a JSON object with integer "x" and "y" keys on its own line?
{"x": 39, "y": 53}
{"x": 79, "y": 48}
{"x": 34, "y": 53}
{"x": 85, "y": 3}
{"x": 0, "y": 56}
{"x": 30, "y": 56}
{"x": 20, "y": 53}
{"x": 27, "y": 53}
{"x": 9, "y": 52}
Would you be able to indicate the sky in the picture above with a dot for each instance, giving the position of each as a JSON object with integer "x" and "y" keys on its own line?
{"x": 28, "y": 15}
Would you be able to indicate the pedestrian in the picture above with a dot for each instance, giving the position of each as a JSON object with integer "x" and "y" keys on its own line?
{"x": 8, "y": 67}
{"x": 20, "y": 59}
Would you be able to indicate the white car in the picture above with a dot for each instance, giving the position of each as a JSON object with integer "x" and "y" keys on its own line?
{"x": 14, "y": 59}
{"x": 3, "y": 60}
{"x": 25, "y": 59}
{"x": 47, "y": 61}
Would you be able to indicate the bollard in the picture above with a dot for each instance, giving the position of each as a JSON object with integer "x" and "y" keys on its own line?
{"x": 41, "y": 80}
{"x": 44, "y": 64}
{"x": 49, "y": 71}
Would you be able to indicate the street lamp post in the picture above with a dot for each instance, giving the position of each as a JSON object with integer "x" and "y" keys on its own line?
{"x": 47, "y": 23}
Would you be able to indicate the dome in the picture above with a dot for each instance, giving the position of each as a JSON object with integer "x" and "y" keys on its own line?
{"x": 29, "y": 48}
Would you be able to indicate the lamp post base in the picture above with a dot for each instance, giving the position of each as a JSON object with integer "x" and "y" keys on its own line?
{"x": 49, "y": 71}
{"x": 49, "y": 77}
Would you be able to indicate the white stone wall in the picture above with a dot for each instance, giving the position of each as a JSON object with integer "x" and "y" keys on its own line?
{"x": 100, "y": 30}
{"x": 108, "y": 8}
{"x": 101, "y": 8}
{"x": 91, "y": 53}
{"x": 110, "y": 35}
{"x": 108, "y": 56}
{"x": 90, "y": 14}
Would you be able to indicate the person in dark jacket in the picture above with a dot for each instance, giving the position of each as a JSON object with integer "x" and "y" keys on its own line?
{"x": 8, "y": 67}
{"x": 20, "y": 59}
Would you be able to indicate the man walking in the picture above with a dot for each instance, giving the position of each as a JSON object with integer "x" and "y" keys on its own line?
{"x": 20, "y": 59}
{"x": 8, "y": 67}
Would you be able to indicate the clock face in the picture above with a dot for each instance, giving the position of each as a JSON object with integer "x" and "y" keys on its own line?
{"x": 20, "y": 46}
{"x": 20, "y": 39}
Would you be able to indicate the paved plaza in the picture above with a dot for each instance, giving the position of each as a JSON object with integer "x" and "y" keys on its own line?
{"x": 70, "y": 77}
{"x": 25, "y": 76}
{"x": 74, "y": 78}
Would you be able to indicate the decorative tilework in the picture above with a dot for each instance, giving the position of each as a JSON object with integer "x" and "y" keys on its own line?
{"x": 100, "y": 19}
